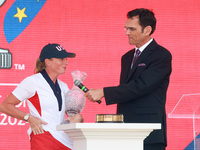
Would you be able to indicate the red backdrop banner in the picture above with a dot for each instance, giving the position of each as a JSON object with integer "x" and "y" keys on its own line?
{"x": 93, "y": 29}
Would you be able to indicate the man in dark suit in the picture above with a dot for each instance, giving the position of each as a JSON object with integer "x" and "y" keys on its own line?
{"x": 141, "y": 95}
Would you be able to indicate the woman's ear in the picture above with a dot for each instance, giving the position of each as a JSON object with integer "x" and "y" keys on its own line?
{"x": 47, "y": 62}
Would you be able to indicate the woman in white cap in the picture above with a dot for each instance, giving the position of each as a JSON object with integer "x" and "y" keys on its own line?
{"x": 45, "y": 95}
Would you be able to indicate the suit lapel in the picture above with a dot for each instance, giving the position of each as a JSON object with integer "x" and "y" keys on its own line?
{"x": 126, "y": 66}
{"x": 146, "y": 52}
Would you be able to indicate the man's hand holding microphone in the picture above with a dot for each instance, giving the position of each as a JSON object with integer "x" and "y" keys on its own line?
{"x": 93, "y": 95}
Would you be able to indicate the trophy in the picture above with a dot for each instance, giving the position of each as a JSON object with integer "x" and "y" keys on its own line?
{"x": 74, "y": 98}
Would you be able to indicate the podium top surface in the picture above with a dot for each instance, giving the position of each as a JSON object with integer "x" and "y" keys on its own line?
{"x": 110, "y": 126}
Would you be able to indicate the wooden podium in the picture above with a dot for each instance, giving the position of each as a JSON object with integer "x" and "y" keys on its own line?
{"x": 108, "y": 136}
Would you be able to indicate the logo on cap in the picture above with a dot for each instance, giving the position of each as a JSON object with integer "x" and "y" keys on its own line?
{"x": 59, "y": 48}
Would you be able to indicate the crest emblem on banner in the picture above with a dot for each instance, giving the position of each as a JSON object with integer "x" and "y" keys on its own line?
{"x": 19, "y": 16}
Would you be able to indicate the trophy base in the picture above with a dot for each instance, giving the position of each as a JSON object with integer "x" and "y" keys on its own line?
{"x": 109, "y": 118}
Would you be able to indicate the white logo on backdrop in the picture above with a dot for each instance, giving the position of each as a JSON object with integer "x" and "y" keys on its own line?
{"x": 5, "y": 59}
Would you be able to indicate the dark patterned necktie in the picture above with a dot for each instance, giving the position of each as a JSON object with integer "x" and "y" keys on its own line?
{"x": 137, "y": 54}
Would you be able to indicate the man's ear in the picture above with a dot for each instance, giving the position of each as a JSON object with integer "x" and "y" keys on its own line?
{"x": 147, "y": 30}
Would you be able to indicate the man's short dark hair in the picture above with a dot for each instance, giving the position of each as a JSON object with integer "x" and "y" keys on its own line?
{"x": 146, "y": 18}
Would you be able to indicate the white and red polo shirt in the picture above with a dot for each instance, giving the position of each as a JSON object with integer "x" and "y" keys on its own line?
{"x": 45, "y": 101}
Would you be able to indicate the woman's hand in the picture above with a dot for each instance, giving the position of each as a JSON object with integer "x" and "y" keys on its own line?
{"x": 36, "y": 124}
{"x": 77, "y": 118}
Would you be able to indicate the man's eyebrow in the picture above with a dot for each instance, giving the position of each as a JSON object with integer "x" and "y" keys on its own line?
{"x": 131, "y": 28}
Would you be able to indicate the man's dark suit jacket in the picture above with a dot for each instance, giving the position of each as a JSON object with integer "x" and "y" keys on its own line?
{"x": 141, "y": 95}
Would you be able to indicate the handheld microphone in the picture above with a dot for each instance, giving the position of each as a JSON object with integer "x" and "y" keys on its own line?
{"x": 83, "y": 88}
